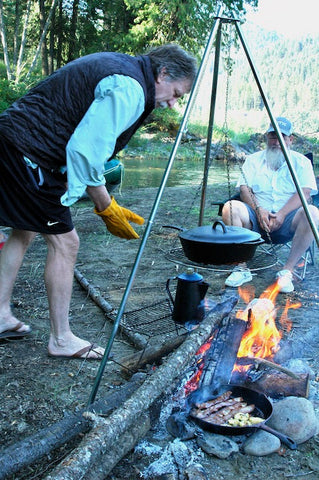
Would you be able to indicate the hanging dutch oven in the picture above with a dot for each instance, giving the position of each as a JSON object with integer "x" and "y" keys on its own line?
{"x": 219, "y": 244}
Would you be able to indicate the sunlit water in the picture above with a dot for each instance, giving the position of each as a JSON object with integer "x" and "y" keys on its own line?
{"x": 140, "y": 173}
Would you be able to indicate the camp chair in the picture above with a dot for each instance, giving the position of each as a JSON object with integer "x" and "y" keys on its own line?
{"x": 274, "y": 249}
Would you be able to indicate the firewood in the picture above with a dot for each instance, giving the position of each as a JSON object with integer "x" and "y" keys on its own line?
{"x": 150, "y": 355}
{"x": 266, "y": 363}
{"x": 71, "y": 427}
{"x": 85, "y": 460}
{"x": 278, "y": 385}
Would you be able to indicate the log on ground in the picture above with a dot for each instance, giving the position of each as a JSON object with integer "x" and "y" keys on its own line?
{"x": 83, "y": 462}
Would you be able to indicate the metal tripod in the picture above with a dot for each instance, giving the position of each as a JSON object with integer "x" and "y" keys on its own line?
{"x": 220, "y": 22}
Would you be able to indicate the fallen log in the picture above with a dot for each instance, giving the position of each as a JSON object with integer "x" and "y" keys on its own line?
{"x": 85, "y": 461}
{"x": 150, "y": 355}
{"x": 32, "y": 449}
{"x": 136, "y": 339}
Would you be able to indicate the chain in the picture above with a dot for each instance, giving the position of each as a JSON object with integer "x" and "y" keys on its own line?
{"x": 227, "y": 149}
{"x": 225, "y": 128}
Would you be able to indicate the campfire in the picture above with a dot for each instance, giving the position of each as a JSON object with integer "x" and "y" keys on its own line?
{"x": 262, "y": 336}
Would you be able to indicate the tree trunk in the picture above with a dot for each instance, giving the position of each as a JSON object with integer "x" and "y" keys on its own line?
{"x": 4, "y": 43}
{"x": 42, "y": 39}
{"x": 72, "y": 54}
{"x": 44, "y": 53}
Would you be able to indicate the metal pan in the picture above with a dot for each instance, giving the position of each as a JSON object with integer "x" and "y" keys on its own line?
{"x": 263, "y": 409}
{"x": 218, "y": 244}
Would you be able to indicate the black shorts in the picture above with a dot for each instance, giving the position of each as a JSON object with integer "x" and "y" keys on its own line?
{"x": 30, "y": 198}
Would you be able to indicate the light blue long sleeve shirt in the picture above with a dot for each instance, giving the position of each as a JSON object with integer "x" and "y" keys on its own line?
{"x": 118, "y": 102}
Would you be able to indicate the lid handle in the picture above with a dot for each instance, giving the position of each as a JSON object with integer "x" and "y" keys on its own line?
{"x": 219, "y": 222}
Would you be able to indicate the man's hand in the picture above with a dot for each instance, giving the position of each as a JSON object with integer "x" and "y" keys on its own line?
{"x": 263, "y": 217}
{"x": 117, "y": 220}
{"x": 275, "y": 221}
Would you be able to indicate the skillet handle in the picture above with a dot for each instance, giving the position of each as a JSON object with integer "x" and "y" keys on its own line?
{"x": 286, "y": 440}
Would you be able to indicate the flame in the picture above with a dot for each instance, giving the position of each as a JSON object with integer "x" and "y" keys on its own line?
{"x": 262, "y": 337}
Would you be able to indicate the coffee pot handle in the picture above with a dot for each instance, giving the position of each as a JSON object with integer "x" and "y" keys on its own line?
{"x": 168, "y": 290}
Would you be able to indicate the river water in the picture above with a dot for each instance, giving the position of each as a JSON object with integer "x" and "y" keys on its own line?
{"x": 140, "y": 173}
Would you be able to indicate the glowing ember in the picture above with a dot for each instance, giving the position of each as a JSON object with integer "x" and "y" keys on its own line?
{"x": 192, "y": 383}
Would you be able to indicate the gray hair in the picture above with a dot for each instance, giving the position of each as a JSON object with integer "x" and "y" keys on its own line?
{"x": 178, "y": 64}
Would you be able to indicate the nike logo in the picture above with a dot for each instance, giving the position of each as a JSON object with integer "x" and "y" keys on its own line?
{"x": 49, "y": 224}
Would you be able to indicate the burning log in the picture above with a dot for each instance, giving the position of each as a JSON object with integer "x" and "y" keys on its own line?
{"x": 278, "y": 385}
{"x": 222, "y": 355}
{"x": 266, "y": 363}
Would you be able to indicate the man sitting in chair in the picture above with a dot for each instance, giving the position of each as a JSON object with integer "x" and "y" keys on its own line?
{"x": 269, "y": 203}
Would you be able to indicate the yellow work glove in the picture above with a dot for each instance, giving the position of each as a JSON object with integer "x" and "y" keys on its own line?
{"x": 117, "y": 220}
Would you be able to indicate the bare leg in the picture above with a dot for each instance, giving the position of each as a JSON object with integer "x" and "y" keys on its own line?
{"x": 11, "y": 258}
{"x": 235, "y": 213}
{"x": 303, "y": 236}
{"x": 59, "y": 270}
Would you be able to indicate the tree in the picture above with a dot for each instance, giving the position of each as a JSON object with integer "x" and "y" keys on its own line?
{"x": 23, "y": 12}
{"x": 76, "y": 28}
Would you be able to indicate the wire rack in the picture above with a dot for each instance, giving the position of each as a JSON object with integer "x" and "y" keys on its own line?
{"x": 260, "y": 261}
{"x": 152, "y": 320}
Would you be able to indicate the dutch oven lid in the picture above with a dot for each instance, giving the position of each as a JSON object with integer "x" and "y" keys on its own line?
{"x": 220, "y": 233}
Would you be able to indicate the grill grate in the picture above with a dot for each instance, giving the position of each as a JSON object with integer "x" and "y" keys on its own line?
{"x": 260, "y": 261}
{"x": 151, "y": 320}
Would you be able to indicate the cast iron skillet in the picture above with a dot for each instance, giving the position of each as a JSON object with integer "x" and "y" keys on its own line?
{"x": 263, "y": 409}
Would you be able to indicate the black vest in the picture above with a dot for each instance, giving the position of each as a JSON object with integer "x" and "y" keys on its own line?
{"x": 41, "y": 122}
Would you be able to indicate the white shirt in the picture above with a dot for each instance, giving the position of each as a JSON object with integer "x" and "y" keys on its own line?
{"x": 118, "y": 102}
{"x": 273, "y": 188}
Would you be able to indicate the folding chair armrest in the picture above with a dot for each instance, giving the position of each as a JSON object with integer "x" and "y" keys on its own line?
{"x": 221, "y": 204}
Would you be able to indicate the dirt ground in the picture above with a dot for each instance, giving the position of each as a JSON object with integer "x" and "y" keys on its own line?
{"x": 38, "y": 391}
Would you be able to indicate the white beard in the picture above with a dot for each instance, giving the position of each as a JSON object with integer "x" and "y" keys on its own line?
{"x": 275, "y": 158}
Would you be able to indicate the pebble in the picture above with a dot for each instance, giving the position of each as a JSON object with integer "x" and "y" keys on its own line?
{"x": 217, "y": 445}
{"x": 261, "y": 443}
{"x": 295, "y": 417}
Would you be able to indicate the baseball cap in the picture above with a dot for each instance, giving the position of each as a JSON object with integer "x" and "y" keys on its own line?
{"x": 284, "y": 126}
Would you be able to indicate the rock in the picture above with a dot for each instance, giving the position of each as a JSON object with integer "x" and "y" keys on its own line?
{"x": 261, "y": 443}
{"x": 295, "y": 417}
{"x": 217, "y": 445}
{"x": 178, "y": 426}
{"x": 195, "y": 471}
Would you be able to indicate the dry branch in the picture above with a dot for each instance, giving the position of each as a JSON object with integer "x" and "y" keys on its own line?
{"x": 136, "y": 339}
{"x": 266, "y": 363}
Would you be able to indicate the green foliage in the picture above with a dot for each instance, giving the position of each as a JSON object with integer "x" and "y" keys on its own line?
{"x": 9, "y": 92}
{"x": 288, "y": 69}
{"x": 131, "y": 26}
{"x": 164, "y": 120}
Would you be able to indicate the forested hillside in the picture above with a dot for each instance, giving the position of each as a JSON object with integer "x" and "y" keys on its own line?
{"x": 289, "y": 71}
